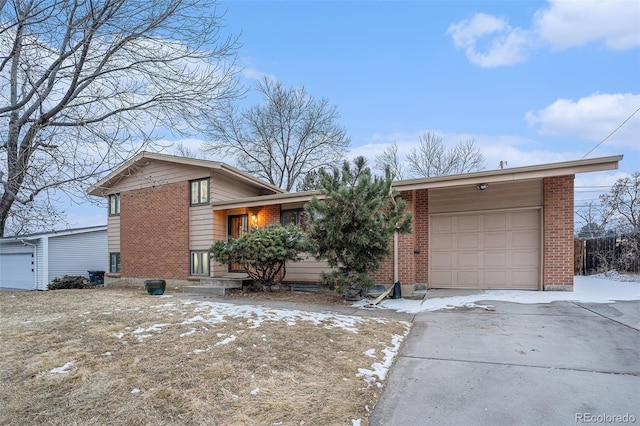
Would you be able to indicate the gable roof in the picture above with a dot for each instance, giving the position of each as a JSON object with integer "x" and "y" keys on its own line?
{"x": 487, "y": 176}
{"x": 98, "y": 188}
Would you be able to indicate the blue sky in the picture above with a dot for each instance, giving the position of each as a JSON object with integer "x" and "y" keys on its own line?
{"x": 530, "y": 81}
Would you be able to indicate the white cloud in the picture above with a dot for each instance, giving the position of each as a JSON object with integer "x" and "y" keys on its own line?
{"x": 591, "y": 118}
{"x": 566, "y": 24}
{"x": 508, "y": 46}
{"x": 560, "y": 25}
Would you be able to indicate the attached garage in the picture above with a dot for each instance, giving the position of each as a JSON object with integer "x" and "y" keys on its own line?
{"x": 30, "y": 262}
{"x": 489, "y": 250}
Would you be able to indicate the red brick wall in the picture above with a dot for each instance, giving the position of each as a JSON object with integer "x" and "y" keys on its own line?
{"x": 558, "y": 230}
{"x": 267, "y": 215}
{"x": 421, "y": 231}
{"x": 406, "y": 257}
{"x": 154, "y": 232}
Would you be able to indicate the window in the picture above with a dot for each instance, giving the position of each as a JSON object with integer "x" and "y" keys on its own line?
{"x": 199, "y": 192}
{"x": 296, "y": 217}
{"x": 114, "y": 263}
{"x": 200, "y": 263}
{"x": 114, "y": 204}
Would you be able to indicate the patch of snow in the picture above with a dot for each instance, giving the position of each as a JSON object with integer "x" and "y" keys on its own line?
{"x": 227, "y": 340}
{"x": 198, "y": 351}
{"x": 135, "y": 391}
{"x": 118, "y": 335}
{"x": 255, "y": 391}
{"x": 356, "y": 422}
{"x": 107, "y": 354}
{"x": 370, "y": 353}
{"x": 256, "y": 315}
{"x": 64, "y": 369}
{"x": 586, "y": 289}
{"x": 379, "y": 370}
{"x": 186, "y": 333}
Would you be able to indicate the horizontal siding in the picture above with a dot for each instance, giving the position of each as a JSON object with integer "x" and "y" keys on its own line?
{"x": 219, "y": 234}
{"x": 226, "y": 188}
{"x": 200, "y": 227}
{"x": 113, "y": 234}
{"x": 307, "y": 270}
{"x": 156, "y": 173}
{"x": 77, "y": 253}
{"x": 496, "y": 196}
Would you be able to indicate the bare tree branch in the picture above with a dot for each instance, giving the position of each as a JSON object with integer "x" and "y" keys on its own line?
{"x": 85, "y": 85}
{"x": 281, "y": 140}
{"x": 430, "y": 158}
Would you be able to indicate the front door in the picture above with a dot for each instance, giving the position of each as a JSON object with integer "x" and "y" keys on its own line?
{"x": 238, "y": 225}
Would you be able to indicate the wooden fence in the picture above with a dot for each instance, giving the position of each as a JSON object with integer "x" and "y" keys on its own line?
{"x": 595, "y": 255}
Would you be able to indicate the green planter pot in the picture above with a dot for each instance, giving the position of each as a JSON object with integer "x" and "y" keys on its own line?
{"x": 155, "y": 287}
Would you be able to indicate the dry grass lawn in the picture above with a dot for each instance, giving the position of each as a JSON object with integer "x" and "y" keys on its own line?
{"x": 118, "y": 356}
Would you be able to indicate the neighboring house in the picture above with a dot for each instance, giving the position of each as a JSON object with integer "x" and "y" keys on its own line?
{"x": 506, "y": 228}
{"x": 31, "y": 262}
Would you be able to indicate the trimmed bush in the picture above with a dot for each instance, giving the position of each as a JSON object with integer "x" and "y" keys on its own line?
{"x": 70, "y": 281}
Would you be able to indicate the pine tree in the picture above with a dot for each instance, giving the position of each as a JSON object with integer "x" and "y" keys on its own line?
{"x": 352, "y": 226}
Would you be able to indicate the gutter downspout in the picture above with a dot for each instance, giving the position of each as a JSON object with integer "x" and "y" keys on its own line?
{"x": 35, "y": 262}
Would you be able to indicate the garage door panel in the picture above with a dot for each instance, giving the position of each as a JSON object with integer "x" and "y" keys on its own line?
{"x": 495, "y": 240}
{"x": 486, "y": 250}
{"x": 468, "y": 260}
{"x": 444, "y": 277}
{"x": 525, "y": 239}
{"x": 467, "y": 279}
{"x": 495, "y": 221}
{"x": 442, "y": 223}
{"x": 468, "y": 223}
{"x": 442, "y": 260}
{"x": 525, "y": 220}
{"x": 468, "y": 241}
{"x": 495, "y": 259}
{"x": 495, "y": 278}
{"x": 524, "y": 278}
{"x": 442, "y": 241}
{"x": 525, "y": 259}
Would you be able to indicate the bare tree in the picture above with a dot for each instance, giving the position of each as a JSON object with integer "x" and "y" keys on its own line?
{"x": 390, "y": 158}
{"x": 431, "y": 158}
{"x": 624, "y": 201}
{"x": 281, "y": 140}
{"x": 595, "y": 220}
{"x": 85, "y": 84}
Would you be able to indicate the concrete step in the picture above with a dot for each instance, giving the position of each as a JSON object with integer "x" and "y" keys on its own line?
{"x": 218, "y": 286}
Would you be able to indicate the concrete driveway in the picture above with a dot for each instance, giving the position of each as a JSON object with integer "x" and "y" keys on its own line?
{"x": 547, "y": 364}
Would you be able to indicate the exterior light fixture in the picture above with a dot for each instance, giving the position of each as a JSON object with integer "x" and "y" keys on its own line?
{"x": 482, "y": 186}
{"x": 254, "y": 218}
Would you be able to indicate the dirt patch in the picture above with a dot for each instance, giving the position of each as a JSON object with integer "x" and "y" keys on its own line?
{"x": 123, "y": 357}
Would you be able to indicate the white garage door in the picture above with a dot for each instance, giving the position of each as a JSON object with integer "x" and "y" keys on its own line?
{"x": 16, "y": 271}
{"x": 485, "y": 250}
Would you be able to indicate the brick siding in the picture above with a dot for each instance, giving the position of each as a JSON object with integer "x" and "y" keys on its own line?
{"x": 406, "y": 256}
{"x": 267, "y": 215}
{"x": 421, "y": 231}
{"x": 154, "y": 232}
{"x": 558, "y": 231}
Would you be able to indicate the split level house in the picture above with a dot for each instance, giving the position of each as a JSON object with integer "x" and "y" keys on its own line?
{"x": 498, "y": 229}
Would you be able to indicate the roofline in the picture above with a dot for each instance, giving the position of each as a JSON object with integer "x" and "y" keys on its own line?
{"x": 512, "y": 174}
{"x": 39, "y": 235}
{"x": 95, "y": 189}
{"x": 487, "y": 176}
{"x": 267, "y": 200}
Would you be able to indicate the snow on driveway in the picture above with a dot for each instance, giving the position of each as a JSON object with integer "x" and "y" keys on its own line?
{"x": 592, "y": 289}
